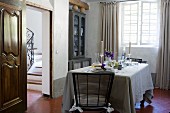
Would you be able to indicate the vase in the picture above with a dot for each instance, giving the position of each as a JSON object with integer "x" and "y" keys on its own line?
{"x": 97, "y": 56}
{"x": 108, "y": 61}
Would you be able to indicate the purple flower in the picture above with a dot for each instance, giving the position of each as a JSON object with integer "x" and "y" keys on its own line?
{"x": 103, "y": 66}
{"x": 109, "y": 54}
{"x": 112, "y": 56}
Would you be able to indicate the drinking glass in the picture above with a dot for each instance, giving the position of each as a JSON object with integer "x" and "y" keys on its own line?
{"x": 97, "y": 56}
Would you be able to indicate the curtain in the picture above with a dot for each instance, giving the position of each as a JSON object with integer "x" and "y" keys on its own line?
{"x": 110, "y": 27}
{"x": 163, "y": 70}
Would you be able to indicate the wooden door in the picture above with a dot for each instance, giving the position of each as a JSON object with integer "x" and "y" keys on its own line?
{"x": 13, "y": 91}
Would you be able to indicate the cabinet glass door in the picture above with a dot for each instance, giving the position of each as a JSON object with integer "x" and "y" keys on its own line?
{"x": 76, "y": 36}
{"x": 82, "y": 37}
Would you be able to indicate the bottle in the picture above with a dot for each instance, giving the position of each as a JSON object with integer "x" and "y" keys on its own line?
{"x": 123, "y": 57}
{"x": 123, "y": 53}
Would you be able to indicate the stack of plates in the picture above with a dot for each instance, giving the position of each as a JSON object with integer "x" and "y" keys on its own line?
{"x": 97, "y": 66}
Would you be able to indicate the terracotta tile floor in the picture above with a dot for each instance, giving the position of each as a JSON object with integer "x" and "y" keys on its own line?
{"x": 39, "y": 104}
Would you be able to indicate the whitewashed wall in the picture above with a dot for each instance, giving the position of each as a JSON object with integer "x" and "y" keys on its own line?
{"x": 60, "y": 45}
{"x": 61, "y": 12}
{"x": 60, "y": 41}
{"x": 44, "y": 3}
{"x": 46, "y": 53}
{"x": 34, "y": 23}
{"x": 148, "y": 54}
{"x": 93, "y": 32}
{"x": 93, "y": 36}
{"x": 38, "y": 22}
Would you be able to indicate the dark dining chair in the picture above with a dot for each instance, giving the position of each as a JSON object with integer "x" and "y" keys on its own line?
{"x": 144, "y": 62}
{"x": 92, "y": 91}
{"x": 139, "y": 60}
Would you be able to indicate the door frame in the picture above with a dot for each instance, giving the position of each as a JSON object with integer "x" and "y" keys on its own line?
{"x": 51, "y": 39}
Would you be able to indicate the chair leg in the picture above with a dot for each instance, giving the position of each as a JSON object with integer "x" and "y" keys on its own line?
{"x": 77, "y": 111}
{"x": 103, "y": 111}
{"x": 142, "y": 103}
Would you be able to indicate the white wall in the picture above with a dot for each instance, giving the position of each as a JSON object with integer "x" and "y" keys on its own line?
{"x": 148, "y": 54}
{"x": 93, "y": 36}
{"x": 46, "y": 52}
{"x": 42, "y": 3}
{"x": 93, "y": 32}
{"x": 60, "y": 39}
{"x": 34, "y": 23}
{"x": 38, "y": 22}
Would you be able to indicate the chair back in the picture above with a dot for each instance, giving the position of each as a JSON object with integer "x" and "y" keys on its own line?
{"x": 92, "y": 89}
{"x": 139, "y": 60}
{"x": 144, "y": 62}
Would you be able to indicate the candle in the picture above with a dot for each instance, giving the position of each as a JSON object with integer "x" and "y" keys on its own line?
{"x": 129, "y": 47}
{"x": 102, "y": 48}
{"x": 124, "y": 49}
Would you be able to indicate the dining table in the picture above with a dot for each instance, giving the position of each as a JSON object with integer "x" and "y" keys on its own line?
{"x": 130, "y": 85}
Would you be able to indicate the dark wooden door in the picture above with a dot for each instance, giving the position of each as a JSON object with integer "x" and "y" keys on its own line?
{"x": 12, "y": 57}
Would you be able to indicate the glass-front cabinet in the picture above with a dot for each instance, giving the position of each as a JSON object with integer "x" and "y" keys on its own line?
{"x": 82, "y": 36}
{"x": 77, "y": 41}
{"x": 76, "y": 35}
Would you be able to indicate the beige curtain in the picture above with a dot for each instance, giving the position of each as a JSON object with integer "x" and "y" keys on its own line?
{"x": 163, "y": 70}
{"x": 110, "y": 27}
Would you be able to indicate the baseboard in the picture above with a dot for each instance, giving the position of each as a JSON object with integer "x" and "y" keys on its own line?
{"x": 45, "y": 95}
{"x": 58, "y": 87}
{"x": 153, "y": 75}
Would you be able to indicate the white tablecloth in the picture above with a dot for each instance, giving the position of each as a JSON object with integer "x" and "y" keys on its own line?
{"x": 128, "y": 88}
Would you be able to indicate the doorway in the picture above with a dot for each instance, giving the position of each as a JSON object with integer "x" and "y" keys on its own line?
{"x": 39, "y": 76}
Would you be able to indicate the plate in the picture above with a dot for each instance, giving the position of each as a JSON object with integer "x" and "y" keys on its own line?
{"x": 108, "y": 68}
{"x": 98, "y": 68}
{"x": 96, "y": 65}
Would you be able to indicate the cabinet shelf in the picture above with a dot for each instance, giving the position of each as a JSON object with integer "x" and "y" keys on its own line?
{"x": 76, "y": 25}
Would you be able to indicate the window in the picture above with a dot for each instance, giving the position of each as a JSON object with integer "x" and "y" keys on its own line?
{"x": 139, "y": 23}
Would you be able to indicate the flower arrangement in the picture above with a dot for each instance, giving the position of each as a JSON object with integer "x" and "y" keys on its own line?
{"x": 109, "y": 54}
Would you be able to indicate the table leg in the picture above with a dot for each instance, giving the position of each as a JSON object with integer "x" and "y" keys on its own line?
{"x": 142, "y": 103}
